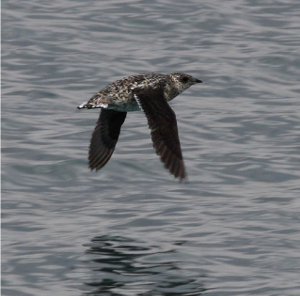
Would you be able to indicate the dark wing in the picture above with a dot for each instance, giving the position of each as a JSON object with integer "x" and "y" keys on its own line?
{"x": 163, "y": 125}
{"x": 105, "y": 137}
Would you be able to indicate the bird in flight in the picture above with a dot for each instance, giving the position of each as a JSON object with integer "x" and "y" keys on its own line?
{"x": 150, "y": 93}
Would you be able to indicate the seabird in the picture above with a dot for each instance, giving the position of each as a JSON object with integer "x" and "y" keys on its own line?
{"x": 149, "y": 92}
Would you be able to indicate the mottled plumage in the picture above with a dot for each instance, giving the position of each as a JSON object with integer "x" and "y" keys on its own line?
{"x": 150, "y": 93}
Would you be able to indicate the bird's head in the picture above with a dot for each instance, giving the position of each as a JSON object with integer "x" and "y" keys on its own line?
{"x": 182, "y": 81}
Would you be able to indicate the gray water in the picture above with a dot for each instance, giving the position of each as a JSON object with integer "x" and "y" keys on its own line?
{"x": 131, "y": 229}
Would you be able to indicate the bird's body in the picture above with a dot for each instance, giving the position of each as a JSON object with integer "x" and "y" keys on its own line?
{"x": 150, "y": 93}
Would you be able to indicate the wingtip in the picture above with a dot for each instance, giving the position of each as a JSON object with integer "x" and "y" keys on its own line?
{"x": 184, "y": 180}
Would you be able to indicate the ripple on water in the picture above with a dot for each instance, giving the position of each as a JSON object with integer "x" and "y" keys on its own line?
{"x": 130, "y": 229}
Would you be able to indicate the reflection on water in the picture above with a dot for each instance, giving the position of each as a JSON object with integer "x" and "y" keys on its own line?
{"x": 123, "y": 266}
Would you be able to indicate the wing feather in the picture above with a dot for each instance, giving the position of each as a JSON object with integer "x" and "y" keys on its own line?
{"x": 105, "y": 137}
{"x": 164, "y": 132}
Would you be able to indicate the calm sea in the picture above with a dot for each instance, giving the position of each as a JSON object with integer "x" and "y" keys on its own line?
{"x": 131, "y": 229}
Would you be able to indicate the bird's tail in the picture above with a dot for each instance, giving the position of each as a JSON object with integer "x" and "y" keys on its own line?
{"x": 86, "y": 105}
{"x": 95, "y": 102}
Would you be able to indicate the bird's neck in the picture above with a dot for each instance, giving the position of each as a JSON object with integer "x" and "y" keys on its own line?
{"x": 170, "y": 92}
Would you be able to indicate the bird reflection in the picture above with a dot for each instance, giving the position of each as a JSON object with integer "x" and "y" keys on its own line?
{"x": 122, "y": 266}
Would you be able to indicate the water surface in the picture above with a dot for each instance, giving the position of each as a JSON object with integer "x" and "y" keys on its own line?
{"x": 131, "y": 229}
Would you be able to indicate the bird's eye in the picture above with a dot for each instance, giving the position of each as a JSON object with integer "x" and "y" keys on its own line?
{"x": 184, "y": 79}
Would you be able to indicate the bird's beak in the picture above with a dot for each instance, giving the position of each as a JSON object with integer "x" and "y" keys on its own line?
{"x": 197, "y": 80}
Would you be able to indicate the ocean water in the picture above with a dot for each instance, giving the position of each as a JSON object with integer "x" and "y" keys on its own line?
{"x": 131, "y": 229}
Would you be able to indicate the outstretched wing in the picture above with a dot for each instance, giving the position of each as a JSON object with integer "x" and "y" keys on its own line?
{"x": 105, "y": 137}
{"x": 163, "y": 125}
